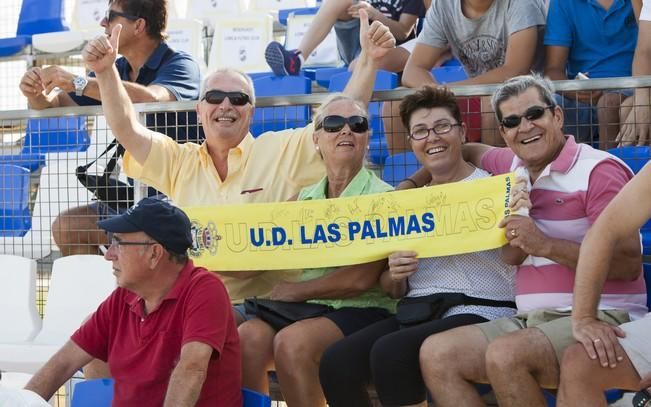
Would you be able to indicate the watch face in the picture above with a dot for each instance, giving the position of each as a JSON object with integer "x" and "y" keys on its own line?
{"x": 80, "y": 83}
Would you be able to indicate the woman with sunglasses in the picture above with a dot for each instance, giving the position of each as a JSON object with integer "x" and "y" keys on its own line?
{"x": 352, "y": 292}
{"x": 438, "y": 293}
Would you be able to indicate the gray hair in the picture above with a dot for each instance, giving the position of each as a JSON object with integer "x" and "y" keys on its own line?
{"x": 232, "y": 71}
{"x": 319, "y": 115}
{"x": 518, "y": 85}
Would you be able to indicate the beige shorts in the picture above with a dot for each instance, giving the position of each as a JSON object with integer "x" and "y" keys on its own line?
{"x": 636, "y": 344}
{"x": 556, "y": 325}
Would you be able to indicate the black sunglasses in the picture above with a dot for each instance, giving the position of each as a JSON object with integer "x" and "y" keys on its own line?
{"x": 533, "y": 113}
{"x": 112, "y": 14}
{"x": 215, "y": 97}
{"x": 333, "y": 124}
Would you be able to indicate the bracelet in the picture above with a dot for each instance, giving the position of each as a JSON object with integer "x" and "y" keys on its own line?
{"x": 410, "y": 180}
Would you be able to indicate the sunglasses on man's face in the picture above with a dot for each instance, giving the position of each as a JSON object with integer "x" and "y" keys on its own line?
{"x": 215, "y": 97}
{"x": 333, "y": 124}
{"x": 113, "y": 14}
{"x": 533, "y": 113}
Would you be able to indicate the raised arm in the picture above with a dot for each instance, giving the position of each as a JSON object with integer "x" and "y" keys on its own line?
{"x": 99, "y": 56}
{"x": 188, "y": 376}
{"x": 376, "y": 40}
{"x": 400, "y": 28}
{"x": 58, "y": 370}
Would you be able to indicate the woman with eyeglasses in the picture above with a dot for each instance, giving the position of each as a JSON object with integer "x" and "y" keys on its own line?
{"x": 438, "y": 293}
{"x": 352, "y": 293}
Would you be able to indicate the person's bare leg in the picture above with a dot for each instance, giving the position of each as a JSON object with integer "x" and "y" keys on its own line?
{"x": 519, "y": 364}
{"x": 75, "y": 231}
{"x": 297, "y": 353}
{"x": 323, "y": 21}
{"x": 608, "y": 109}
{"x": 256, "y": 349}
{"x": 583, "y": 380}
{"x": 394, "y": 132}
{"x": 451, "y": 362}
{"x": 489, "y": 132}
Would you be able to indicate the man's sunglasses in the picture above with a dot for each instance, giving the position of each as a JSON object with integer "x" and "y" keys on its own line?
{"x": 215, "y": 97}
{"x": 333, "y": 124}
{"x": 112, "y": 14}
{"x": 533, "y": 113}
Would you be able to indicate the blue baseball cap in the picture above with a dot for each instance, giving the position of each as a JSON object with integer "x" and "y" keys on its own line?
{"x": 166, "y": 224}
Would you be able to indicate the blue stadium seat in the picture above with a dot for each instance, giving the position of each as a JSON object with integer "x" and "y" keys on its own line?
{"x": 93, "y": 393}
{"x": 449, "y": 73}
{"x": 36, "y": 16}
{"x": 252, "y": 398}
{"x": 15, "y": 219}
{"x": 56, "y": 134}
{"x": 634, "y": 156}
{"x": 282, "y": 117}
{"x": 31, "y": 161}
{"x": 399, "y": 166}
{"x": 284, "y": 13}
{"x": 384, "y": 80}
{"x": 322, "y": 76}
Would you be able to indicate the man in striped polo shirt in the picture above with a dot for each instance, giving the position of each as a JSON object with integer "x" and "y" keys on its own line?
{"x": 570, "y": 185}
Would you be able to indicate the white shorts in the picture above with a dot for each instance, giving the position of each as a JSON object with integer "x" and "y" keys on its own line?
{"x": 636, "y": 343}
{"x": 645, "y": 14}
{"x": 409, "y": 45}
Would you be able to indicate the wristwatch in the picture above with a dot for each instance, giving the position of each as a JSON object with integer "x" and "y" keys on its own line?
{"x": 80, "y": 84}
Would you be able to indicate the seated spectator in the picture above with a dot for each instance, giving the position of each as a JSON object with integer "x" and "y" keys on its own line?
{"x": 356, "y": 300}
{"x": 167, "y": 332}
{"x": 150, "y": 71}
{"x": 606, "y": 356}
{"x": 230, "y": 166}
{"x": 636, "y": 129}
{"x": 571, "y": 184}
{"x": 400, "y": 16}
{"x": 493, "y": 40}
{"x": 472, "y": 288}
{"x": 604, "y": 50}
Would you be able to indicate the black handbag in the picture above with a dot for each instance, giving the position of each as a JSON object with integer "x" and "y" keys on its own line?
{"x": 106, "y": 188}
{"x": 280, "y": 314}
{"x": 416, "y": 310}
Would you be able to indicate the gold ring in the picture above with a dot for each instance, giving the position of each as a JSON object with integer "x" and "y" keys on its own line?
{"x": 513, "y": 233}
{"x": 596, "y": 340}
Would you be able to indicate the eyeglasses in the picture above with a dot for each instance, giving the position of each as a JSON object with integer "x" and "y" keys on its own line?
{"x": 438, "y": 129}
{"x": 112, "y": 14}
{"x": 533, "y": 113}
{"x": 117, "y": 242}
{"x": 333, "y": 124}
{"x": 215, "y": 97}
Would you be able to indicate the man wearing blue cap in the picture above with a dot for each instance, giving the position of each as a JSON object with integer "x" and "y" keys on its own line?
{"x": 167, "y": 332}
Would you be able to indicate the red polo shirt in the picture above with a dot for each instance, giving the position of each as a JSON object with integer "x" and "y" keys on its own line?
{"x": 143, "y": 350}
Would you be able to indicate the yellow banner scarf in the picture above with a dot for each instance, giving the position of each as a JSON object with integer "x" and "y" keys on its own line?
{"x": 442, "y": 220}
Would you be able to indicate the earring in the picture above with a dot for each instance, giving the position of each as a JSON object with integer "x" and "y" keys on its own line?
{"x": 317, "y": 147}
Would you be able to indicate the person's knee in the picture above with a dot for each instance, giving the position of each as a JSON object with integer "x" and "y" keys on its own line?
{"x": 505, "y": 353}
{"x": 576, "y": 362}
{"x": 330, "y": 367}
{"x": 291, "y": 349}
{"x": 609, "y": 100}
{"x": 255, "y": 337}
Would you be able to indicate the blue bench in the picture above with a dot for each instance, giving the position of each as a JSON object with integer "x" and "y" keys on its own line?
{"x": 15, "y": 219}
{"x": 282, "y": 117}
{"x": 36, "y": 17}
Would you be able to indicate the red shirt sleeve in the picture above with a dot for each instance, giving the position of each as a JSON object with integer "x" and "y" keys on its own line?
{"x": 93, "y": 335}
{"x": 497, "y": 160}
{"x": 206, "y": 317}
{"x": 606, "y": 180}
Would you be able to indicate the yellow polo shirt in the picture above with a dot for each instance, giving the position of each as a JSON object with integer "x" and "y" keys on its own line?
{"x": 271, "y": 168}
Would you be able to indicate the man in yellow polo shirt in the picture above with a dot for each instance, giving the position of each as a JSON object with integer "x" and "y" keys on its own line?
{"x": 231, "y": 166}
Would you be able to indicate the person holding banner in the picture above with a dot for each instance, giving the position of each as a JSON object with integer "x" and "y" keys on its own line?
{"x": 438, "y": 293}
{"x": 230, "y": 166}
{"x": 351, "y": 293}
{"x": 570, "y": 186}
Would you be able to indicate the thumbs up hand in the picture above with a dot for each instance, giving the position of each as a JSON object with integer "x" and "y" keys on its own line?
{"x": 101, "y": 52}
{"x": 375, "y": 38}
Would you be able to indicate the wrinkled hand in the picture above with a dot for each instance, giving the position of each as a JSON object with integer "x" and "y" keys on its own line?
{"x": 285, "y": 292}
{"x": 31, "y": 83}
{"x": 57, "y": 77}
{"x": 599, "y": 340}
{"x": 636, "y": 129}
{"x": 376, "y": 39}
{"x": 402, "y": 264}
{"x": 353, "y": 10}
{"x": 100, "y": 53}
{"x": 645, "y": 383}
{"x": 522, "y": 232}
{"x": 520, "y": 195}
